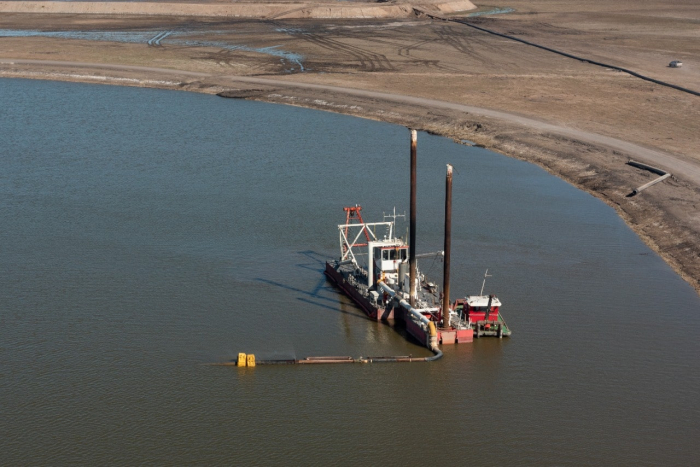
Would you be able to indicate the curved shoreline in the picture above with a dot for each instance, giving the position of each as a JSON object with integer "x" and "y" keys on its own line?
{"x": 512, "y": 135}
{"x": 671, "y": 162}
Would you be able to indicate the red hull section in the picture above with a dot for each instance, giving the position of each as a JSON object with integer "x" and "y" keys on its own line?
{"x": 465, "y": 335}
{"x": 401, "y": 315}
{"x": 475, "y": 316}
{"x": 455, "y": 336}
{"x": 411, "y": 327}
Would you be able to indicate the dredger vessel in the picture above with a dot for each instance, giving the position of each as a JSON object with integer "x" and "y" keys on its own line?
{"x": 379, "y": 272}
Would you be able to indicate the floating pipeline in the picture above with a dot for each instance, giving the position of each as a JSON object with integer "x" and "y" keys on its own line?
{"x": 249, "y": 361}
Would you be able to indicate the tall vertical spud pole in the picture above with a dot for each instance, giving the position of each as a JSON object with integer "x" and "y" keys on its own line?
{"x": 448, "y": 246}
{"x": 412, "y": 235}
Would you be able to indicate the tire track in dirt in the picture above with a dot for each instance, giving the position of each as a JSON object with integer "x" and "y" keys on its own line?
{"x": 406, "y": 50}
{"x": 369, "y": 61}
{"x": 575, "y": 57}
{"x": 406, "y": 59}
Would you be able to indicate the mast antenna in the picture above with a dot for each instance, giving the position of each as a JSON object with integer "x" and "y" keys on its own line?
{"x": 394, "y": 215}
{"x": 484, "y": 283}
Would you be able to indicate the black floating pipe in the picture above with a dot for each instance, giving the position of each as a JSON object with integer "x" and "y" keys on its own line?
{"x": 576, "y": 57}
{"x": 328, "y": 360}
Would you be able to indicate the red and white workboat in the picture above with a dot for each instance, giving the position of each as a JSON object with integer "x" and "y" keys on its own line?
{"x": 373, "y": 271}
{"x": 379, "y": 272}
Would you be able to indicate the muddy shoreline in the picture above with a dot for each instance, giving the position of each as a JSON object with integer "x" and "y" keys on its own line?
{"x": 596, "y": 169}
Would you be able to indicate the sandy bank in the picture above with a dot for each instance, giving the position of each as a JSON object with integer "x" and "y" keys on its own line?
{"x": 334, "y": 10}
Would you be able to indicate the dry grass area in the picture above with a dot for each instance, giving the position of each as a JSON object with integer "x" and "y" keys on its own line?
{"x": 452, "y": 62}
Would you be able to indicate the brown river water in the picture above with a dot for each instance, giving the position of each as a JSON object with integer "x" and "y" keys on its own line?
{"x": 145, "y": 233}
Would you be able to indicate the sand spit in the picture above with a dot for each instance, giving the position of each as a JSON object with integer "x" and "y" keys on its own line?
{"x": 336, "y": 10}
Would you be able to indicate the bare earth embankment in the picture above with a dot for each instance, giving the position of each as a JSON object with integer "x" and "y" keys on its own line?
{"x": 249, "y": 9}
{"x": 579, "y": 121}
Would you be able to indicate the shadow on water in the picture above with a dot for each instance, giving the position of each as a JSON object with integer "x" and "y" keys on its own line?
{"x": 314, "y": 294}
{"x": 315, "y": 268}
{"x": 314, "y": 256}
{"x": 358, "y": 314}
{"x": 310, "y": 267}
{"x": 320, "y": 285}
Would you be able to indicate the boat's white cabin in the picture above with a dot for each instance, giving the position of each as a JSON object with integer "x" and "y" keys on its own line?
{"x": 385, "y": 258}
{"x": 480, "y": 302}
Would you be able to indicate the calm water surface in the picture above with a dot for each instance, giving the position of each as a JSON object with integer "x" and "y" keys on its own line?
{"x": 145, "y": 233}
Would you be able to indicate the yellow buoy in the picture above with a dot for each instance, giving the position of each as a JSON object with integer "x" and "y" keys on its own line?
{"x": 241, "y": 359}
{"x": 251, "y": 360}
